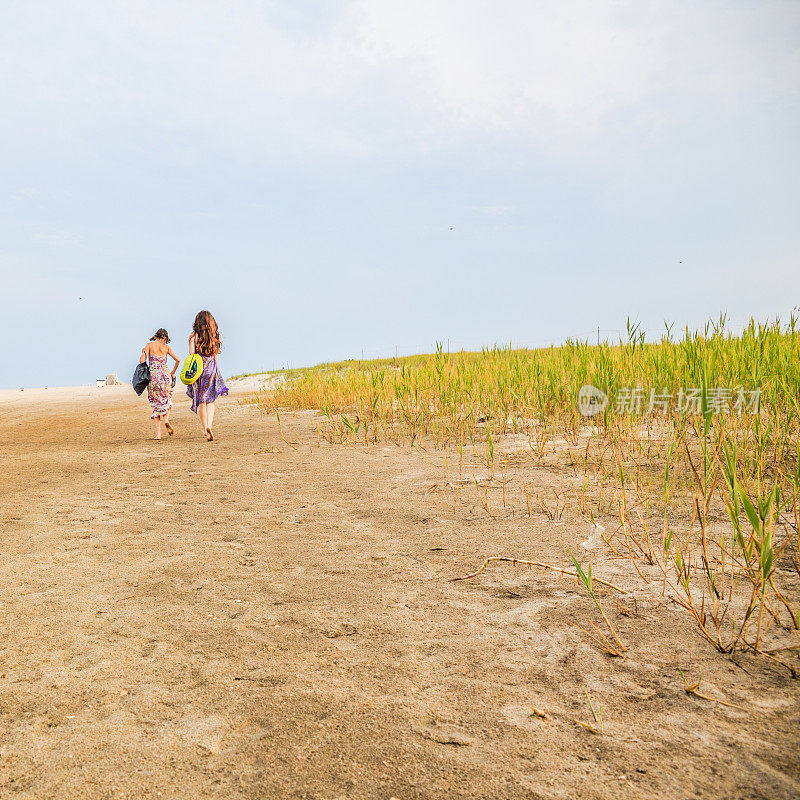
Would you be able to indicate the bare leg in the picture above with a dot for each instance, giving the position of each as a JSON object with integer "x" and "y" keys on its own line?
{"x": 170, "y": 429}
{"x": 201, "y": 414}
{"x": 158, "y": 427}
{"x": 210, "y": 421}
{"x": 210, "y": 414}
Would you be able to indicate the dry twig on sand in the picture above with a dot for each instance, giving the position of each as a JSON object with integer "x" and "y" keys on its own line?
{"x": 533, "y": 564}
{"x": 691, "y": 688}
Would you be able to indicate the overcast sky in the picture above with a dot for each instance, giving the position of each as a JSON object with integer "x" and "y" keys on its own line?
{"x": 332, "y": 177}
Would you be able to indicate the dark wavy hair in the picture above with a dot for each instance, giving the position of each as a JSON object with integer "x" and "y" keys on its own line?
{"x": 207, "y": 341}
{"x": 160, "y": 334}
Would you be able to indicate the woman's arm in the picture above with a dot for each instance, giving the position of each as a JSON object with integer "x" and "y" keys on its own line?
{"x": 171, "y": 352}
{"x": 191, "y": 343}
{"x": 143, "y": 356}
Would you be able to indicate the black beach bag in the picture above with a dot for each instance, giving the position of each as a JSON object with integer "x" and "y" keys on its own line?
{"x": 141, "y": 377}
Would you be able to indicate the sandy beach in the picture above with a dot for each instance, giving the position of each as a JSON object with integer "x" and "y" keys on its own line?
{"x": 268, "y": 616}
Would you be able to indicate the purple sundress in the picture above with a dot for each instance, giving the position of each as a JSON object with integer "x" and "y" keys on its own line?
{"x": 209, "y": 386}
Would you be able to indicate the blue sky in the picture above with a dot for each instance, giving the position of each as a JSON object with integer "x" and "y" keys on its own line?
{"x": 334, "y": 177}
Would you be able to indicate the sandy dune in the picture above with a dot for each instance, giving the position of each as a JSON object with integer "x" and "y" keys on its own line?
{"x": 258, "y": 619}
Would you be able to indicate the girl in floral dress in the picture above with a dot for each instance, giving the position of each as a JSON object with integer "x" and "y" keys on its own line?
{"x": 159, "y": 390}
{"x": 205, "y": 341}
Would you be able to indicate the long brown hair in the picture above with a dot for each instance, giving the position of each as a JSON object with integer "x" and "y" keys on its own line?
{"x": 206, "y": 334}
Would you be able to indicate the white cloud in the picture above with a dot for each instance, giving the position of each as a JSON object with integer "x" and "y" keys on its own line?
{"x": 266, "y": 82}
{"x": 563, "y": 74}
{"x": 505, "y": 65}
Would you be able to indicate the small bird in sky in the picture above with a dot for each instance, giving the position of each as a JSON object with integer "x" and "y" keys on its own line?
{"x": 452, "y": 229}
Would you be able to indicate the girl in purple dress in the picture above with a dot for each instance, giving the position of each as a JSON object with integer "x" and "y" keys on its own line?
{"x": 159, "y": 390}
{"x": 205, "y": 341}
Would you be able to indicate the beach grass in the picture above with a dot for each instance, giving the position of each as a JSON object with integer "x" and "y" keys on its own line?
{"x": 694, "y": 455}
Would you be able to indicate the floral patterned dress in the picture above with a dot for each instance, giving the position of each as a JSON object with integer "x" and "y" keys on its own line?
{"x": 209, "y": 386}
{"x": 159, "y": 390}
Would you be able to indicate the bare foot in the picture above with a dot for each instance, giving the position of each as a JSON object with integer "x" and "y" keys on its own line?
{"x": 209, "y": 435}
{"x": 170, "y": 429}
{"x": 156, "y": 438}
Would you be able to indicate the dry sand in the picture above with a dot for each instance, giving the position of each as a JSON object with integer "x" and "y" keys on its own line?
{"x": 254, "y": 619}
